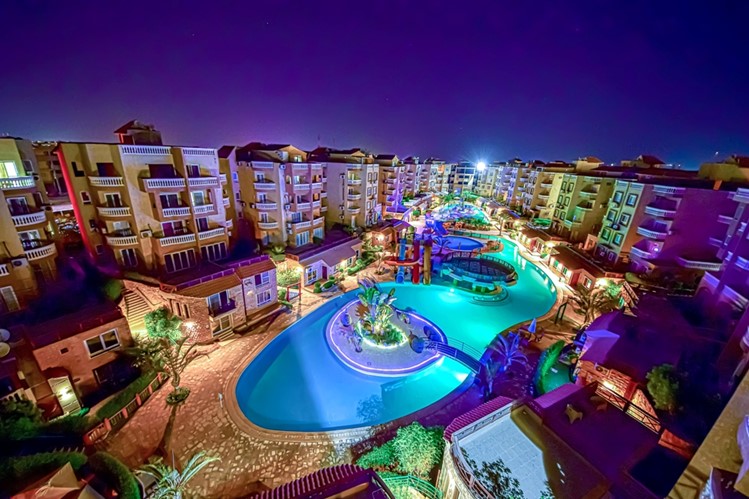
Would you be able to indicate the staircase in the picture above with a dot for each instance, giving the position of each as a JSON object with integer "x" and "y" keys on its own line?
{"x": 459, "y": 355}
{"x": 136, "y": 308}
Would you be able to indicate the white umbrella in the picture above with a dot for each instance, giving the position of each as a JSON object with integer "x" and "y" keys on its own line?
{"x": 532, "y": 327}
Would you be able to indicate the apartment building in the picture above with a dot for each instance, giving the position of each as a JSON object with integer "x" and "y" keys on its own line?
{"x": 514, "y": 174}
{"x": 734, "y": 168}
{"x": 537, "y": 189}
{"x": 352, "y": 188}
{"x": 283, "y": 193}
{"x": 486, "y": 180}
{"x": 435, "y": 174}
{"x": 28, "y": 253}
{"x": 664, "y": 224}
{"x": 412, "y": 169}
{"x": 230, "y": 192}
{"x": 581, "y": 205}
{"x": 461, "y": 177}
{"x": 153, "y": 207}
{"x": 50, "y": 170}
{"x": 392, "y": 183}
{"x": 587, "y": 163}
{"x": 644, "y": 161}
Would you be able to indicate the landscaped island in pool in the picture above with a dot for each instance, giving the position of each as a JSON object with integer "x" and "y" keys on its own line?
{"x": 297, "y": 384}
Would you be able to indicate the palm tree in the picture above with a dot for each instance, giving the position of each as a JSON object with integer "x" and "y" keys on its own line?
{"x": 378, "y": 306}
{"x": 592, "y": 302}
{"x": 172, "y": 484}
{"x": 507, "y": 350}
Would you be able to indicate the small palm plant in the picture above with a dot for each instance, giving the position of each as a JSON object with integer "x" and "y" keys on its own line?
{"x": 592, "y": 302}
{"x": 508, "y": 352}
{"x": 378, "y": 306}
{"x": 173, "y": 484}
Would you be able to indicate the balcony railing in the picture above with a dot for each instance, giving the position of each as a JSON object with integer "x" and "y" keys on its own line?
{"x": 118, "y": 211}
{"x": 665, "y": 190}
{"x": 699, "y": 263}
{"x": 303, "y": 206}
{"x": 39, "y": 250}
{"x": 203, "y": 181}
{"x": 353, "y": 181}
{"x": 4, "y": 269}
{"x": 264, "y": 186}
{"x": 725, "y": 219}
{"x": 146, "y": 150}
{"x": 164, "y": 183}
{"x": 301, "y": 187}
{"x": 304, "y": 224}
{"x": 715, "y": 241}
{"x": 106, "y": 181}
{"x": 323, "y": 194}
{"x": 222, "y": 177}
{"x": 226, "y": 202}
{"x": 323, "y": 209}
{"x": 267, "y": 225}
{"x": 741, "y": 196}
{"x": 229, "y": 224}
{"x": 121, "y": 239}
{"x": 319, "y": 221}
{"x": 353, "y": 197}
{"x": 202, "y": 209}
{"x": 354, "y": 210}
{"x": 29, "y": 219}
{"x": 177, "y": 211}
{"x": 177, "y": 239}
{"x": 656, "y": 233}
{"x": 660, "y": 212}
{"x": 211, "y": 233}
{"x": 7, "y": 184}
{"x": 641, "y": 253}
{"x": 315, "y": 204}
{"x": 317, "y": 185}
{"x": 266, "y": 206}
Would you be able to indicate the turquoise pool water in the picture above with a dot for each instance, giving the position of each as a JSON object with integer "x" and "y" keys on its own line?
{"x": 461, "y": 243}
{"x": 297, "y": 384}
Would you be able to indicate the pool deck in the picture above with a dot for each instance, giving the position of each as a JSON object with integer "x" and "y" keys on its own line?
{"x": 253, "y": 459}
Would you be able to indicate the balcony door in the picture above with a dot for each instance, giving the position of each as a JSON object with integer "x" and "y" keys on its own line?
{"x": 121, "y": 229}
{"x": 199, "y": 198}
{"x": 162, "y": 171}
{"x": 9, "y": 169}
{"x": 202, "y": 224}
{"x": 18, "y": 206}
{"x": 113, "y": 200}
{"x": 173, "y": 228}
{"x": 193, "y": 170}
{"x": 106, "y": 170}
{"x": 170, "y": 201}
{"x": 218, "y": 302}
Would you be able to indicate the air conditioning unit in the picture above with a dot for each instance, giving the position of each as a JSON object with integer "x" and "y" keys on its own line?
{"x": 146, "y": 233}
{"x": 103, "y": 230}
{"x": 19, "y": 262}
{"x": 282, "y": 166}
{"x": 287, "y": 207}
{"x": 252, "y": 205}
{"x": 615, "y": 226}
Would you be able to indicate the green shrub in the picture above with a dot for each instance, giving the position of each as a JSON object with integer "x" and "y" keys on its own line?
{"x": 78, "y": 423}
{"x": 18, "y": 472}
{"x": 318, "y": 287}
{"x": 546, "y": 361}
{"x": 120, "y": 400}
{"x": 379, "y": 458}
{"x": 116, "y": 474}
{"x": 19, "y": 419}
{"x": 663, "y": 386}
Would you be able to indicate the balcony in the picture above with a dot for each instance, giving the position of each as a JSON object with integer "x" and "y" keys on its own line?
{"x": 267, "y": 185}
{"x": 323, "y": 209}
{"x": 267, "y": 225}
{"x": 122, "y": 238}
{"x": 742, "y": 263}
{"x": 353, "y": 197}
{"x": 229, "y": 224}
{"x": 37, "y": 249}
{"x": 299, "y": 167}
{"x": 301, "y": 187}
{"x": 710, "y": 263}
{"x": 741, "y": 196}
{"x": 211, "y": 233}
{"x": 146, "y": 150}
{"x": 571, "y": 223}
{"x": 664, "y": 190}
{"x": 323, "y": 194}
{"x": 222, "y": 308}
{"x": 316, "y": 204}
{"x": 546, "y": 185}
{"x": 543, "y": 196}
{"x": 203, "y": 181}
{"x": 202, "y": 209}
{"x": 222, "y": 177}
{"x": 725, "y": 219}
{"x": 324, "y": 179}
{"x": 25, "y": 219}
{"x": 353, "y": 210}
{"x": 317, "y": 185}
{"x": 354, "y": 181}
{"x": 660, "y": 211}
{"x": 8, "y": 184}
{"x": 176, "y": 211}
{"x": 113, "y": 211}
{"x": 302, "y": 224}
{"x": 226, "y": 202}
{"x": 318, "y": 221}
{"x": 302, "y": 206}
{"x": 266, "y": 206}
{"x": 164, "y": 183}
{"x": 186, "y": 238}
{"x": 641, "y": 253}
{"x": 106, "y": 181}
{"x": 658, "y": 233}
{"x": 4, "y": 269}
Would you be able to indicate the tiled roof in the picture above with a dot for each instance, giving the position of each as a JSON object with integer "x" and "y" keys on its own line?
{"x": 225, "y": 151}
{"x": 255, "y": 269}
{"x": 313, "y": 483}
{"x": 475, "y": 414}
{"x": 574, "y": 261}
{"x": 211, "y": 287}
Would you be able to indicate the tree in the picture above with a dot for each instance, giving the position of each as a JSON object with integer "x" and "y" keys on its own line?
{"x": 173, "y": 484}
{"x": 508, "y": 352}
{"x": 161, "y": 324}
{"x": 378, "y": 307}
{"x": 496, "y": 477}
{"x": 418, "y": 449}
{"x": 592, "y": 302}
{"x": 663, "y": 386}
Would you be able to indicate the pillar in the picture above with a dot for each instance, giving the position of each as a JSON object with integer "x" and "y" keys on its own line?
{"x": 427, "y": 270}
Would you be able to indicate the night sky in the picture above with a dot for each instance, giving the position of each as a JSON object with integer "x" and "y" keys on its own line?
{"x": 462, "y": 79}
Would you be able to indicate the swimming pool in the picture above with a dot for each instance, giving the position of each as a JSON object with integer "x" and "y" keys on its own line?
{"x": 297, "y": 384}
{"x": 461, "y": 243}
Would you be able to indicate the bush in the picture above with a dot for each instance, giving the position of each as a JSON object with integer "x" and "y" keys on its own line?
{"x": 318, "y": 287}
{"x": 19, "y": 420}
{"x": 116, "y": 474}
{"x": 77, "y": 424}
{"x": 546, "y": 361}
{"x": 379, "y": 458}
{"x": 120, "y": 400}
{"x": 663, "y": 386}
{"x": 20, "y": 471}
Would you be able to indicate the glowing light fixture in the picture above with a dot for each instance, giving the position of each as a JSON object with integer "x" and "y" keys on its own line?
{"x": 481, "y": 166}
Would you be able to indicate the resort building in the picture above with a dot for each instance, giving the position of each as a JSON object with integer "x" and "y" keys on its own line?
{"x": 644, "y": 161}
{"x": 587, "y": 163}
{"x": 50, "y": 171}
{"x": 734, "y": 168}
{"x": 344, "y": 480}
{"x": 155, "y": 208}
{"x": 581, "y": 205}
{"x": 232, "y": 196}
{"x": 413, "y": 169}
{"x": 392, "y": 183}
{"x": 428, "y": 175}
{"x": 27, "y": 231}
{"x": 538, "y": 189}
{"x": 351, "y": 197}
{"x": 513, "y": 177}
{"x": 441, "y": 173}
{"x": 328, "y": 260}
{"x": 485, "y": 183}
{"x": 537, "y": 241}
{"x": 213, "y": 301}
{"x": 664, "y": 224}
{"x": 282, "y": 193}
{"x": 577, "y": 269}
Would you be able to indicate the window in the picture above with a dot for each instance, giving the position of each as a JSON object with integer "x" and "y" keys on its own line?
{"x": 624, "y": 219}
{"x": 8, "y": 300}
{"x": 103, "y": 343}
{"x": 222, "y": 324}
{"x": 302, "y": 238}
{"x": 177, "y": 228}
{"x": 128, "y": 258}
{"x": 113, "y": 200}
{"x": 18, "y": 206}
{"x": 618, "y": 196}
{"x": 234, "y": 177}
{"x": 318, "y": 233}
{"x": 632, "y": 200}
{"x": 219, "y": 303}
{"x": 77, "y": 171}
{"x": 611, "y": 216}
{"x": 618, "y": 239}
{"x": 193, "y": 170}
{"x": 170, "y": 201}
{"x": 310, "y": 274}
{"x": 263, "y": 278}
{"x": 179, "y": 260}
{"x": 606, "y": 234}
{"x": 214, "y": 252}
{"x": 263, "y": 297}
{"x": 85, "y": 197}
{"x": 9, "y": 169}
{"x": 587, "y": 282}
{"x": 199, "y": 198}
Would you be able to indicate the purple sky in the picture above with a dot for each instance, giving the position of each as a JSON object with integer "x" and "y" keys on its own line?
{"x": 496, "y": 80}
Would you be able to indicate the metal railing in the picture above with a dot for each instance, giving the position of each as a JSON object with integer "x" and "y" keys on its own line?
{"x": 628, "y": 407}
{"x": 402, "y": 486}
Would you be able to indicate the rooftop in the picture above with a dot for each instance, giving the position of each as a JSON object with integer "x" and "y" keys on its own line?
{"x": 573, "y": 260}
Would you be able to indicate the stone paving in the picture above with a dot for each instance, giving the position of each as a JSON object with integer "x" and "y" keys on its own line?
{"x": 249, "y": 463}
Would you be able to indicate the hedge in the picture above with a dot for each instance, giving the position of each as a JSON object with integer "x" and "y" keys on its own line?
{"x": 116, "y": 403}
{"x": 115, "y": 474}
{"x": 546, "y": 361}
{"x": 19, "y": 472}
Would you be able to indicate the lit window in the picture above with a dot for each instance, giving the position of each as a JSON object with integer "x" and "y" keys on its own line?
{"x": 102, "y": 343}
